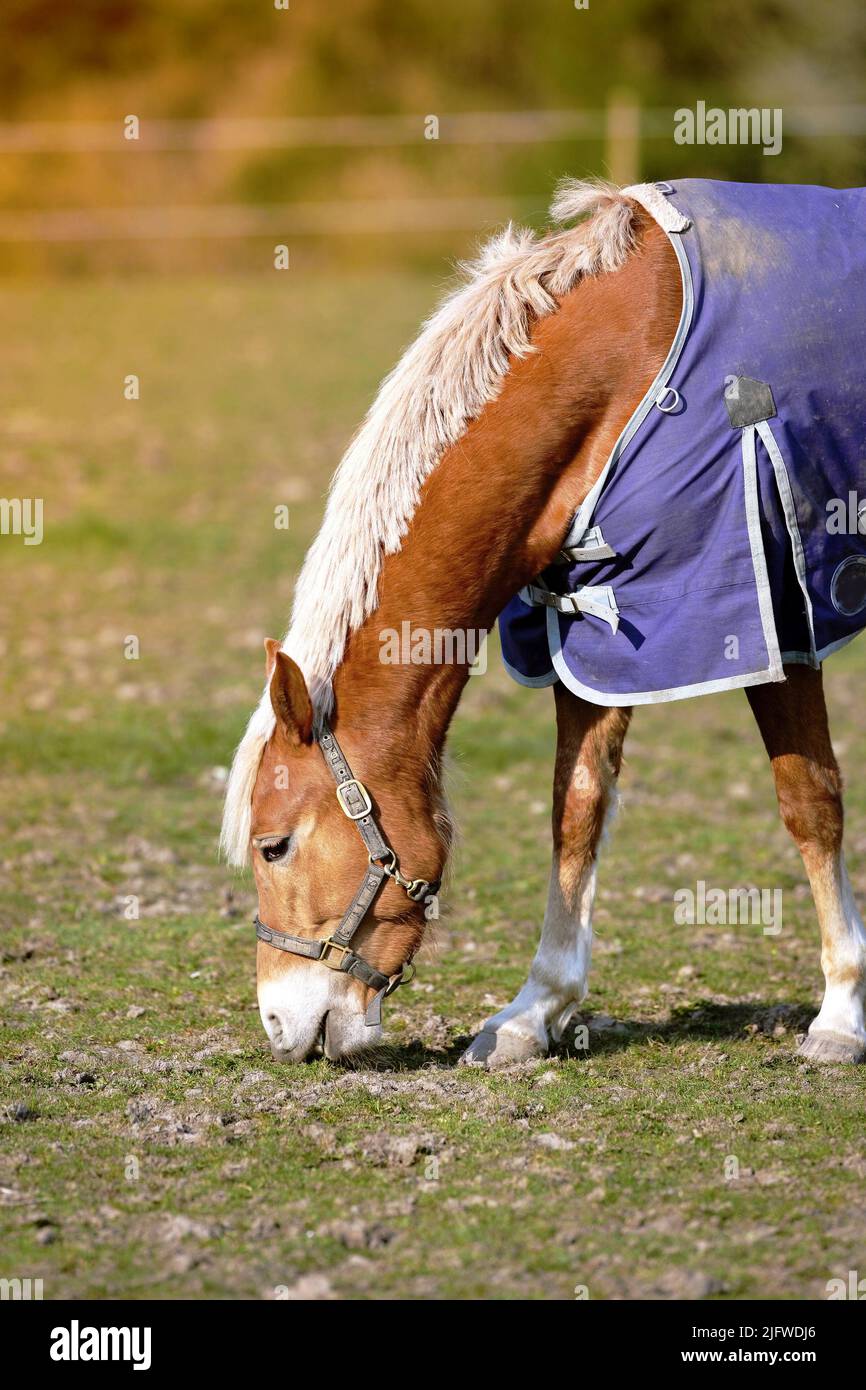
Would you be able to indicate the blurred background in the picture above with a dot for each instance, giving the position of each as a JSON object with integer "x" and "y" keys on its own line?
{"x": 151, "y": 262}
{"x": 310, "y": 124}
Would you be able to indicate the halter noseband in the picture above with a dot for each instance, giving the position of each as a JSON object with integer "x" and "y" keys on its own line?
{"x": 335, "y": 952}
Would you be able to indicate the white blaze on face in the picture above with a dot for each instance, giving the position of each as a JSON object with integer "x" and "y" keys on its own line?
{"x": 295, "y": 1005}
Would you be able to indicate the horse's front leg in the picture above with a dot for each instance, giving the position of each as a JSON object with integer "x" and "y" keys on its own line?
{"x": 588, "y": 758}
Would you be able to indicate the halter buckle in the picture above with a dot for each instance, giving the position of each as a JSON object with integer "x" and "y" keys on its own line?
{"x": 362, "y": 790}
{"x": 331, "y": 949}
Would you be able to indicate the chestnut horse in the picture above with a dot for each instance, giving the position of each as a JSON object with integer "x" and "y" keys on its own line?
{"x": 458, "y": 490}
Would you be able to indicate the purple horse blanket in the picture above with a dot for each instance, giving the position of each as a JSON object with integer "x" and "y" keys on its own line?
{"x": 727, "y": 532}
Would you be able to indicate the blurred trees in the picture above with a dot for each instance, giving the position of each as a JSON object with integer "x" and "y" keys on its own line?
{"x": 191, "y": 59}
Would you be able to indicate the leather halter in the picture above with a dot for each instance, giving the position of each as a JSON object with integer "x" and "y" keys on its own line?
{"x": 335, "y": 952}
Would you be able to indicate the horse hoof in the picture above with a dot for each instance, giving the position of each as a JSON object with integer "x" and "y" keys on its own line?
{"x": 499, "y": 1049}
{"x": 832, "y": 1047}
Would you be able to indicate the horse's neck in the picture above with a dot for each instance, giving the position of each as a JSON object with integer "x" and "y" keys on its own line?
{"x": 495, "y": 510}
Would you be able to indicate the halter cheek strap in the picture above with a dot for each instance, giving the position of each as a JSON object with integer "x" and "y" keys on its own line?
{"x": 336, "y": 952}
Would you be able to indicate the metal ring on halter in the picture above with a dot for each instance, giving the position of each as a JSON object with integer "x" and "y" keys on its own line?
{"x": 415, "y": 888}
{"x": 336, "y": 952}
{"x": 381, "y": 859}
{"x": 668, "y": 391}
{"x": 403, "y": 977}
{"x": 664, "y": 187}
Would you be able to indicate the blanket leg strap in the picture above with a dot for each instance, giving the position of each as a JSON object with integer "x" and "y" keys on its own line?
{"x": 595, "y": 599}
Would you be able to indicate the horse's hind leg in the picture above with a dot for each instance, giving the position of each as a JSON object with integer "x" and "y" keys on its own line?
{"x": 792, "y": 718}
{"x": 588, "y": 757}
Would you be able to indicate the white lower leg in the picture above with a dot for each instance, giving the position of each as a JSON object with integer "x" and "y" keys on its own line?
{"x": 557, "y": 981}
{"x": 843, "y": 951}
{"x": 589, "y": 748}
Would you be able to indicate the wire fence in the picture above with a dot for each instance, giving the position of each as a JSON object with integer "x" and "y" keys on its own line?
{"x": 307, "y": 132}
{"x": 228, "y": 220}
{"x": 621, "y": 128}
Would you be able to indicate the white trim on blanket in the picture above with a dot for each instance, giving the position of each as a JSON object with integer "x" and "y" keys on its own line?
{"x": 786, "y": 497}
{"x": 587, "y": 507}
{"x": 777, "y": 660}
{"x": 653, "y": 198}
{"x": 674, "y": 223}
{"x": 771, "y": 672}
{"x": 681, "y": 692}
{"x": 808, "y": 659}
{"x": 533, "y": 682}
{"x": 650, "y": 697}
{"x": 759, "y": 559}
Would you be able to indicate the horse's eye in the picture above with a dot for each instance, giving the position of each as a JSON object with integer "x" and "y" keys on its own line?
{"x": 278, "y": 850}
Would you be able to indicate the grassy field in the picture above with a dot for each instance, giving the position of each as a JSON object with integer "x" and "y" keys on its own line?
{"x": 149, "y": 1147}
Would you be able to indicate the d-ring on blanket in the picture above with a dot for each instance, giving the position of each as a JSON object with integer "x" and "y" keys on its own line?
{"x": 723, "y": 536}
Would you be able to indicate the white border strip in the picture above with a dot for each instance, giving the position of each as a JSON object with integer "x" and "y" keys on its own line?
{"x": 759, "y": 559}
{"x": 786, "y": 496}
{"x": 534, "y": 682}
{"x": 807, "y": 659}
{"x": 764, "y": 676}
{"x": 583, "y": 515}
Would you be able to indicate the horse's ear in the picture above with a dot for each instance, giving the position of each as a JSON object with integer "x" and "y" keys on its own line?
{"x": 289, "y": 696}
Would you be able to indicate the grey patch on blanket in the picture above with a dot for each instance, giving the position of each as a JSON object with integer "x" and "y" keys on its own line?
{"x": 748, "y": 401}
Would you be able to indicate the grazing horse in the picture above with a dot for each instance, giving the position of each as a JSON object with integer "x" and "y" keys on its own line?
{"x": 510, "y": 416}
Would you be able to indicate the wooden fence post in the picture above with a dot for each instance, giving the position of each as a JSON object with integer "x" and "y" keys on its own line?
{"x": 622, "y": 138}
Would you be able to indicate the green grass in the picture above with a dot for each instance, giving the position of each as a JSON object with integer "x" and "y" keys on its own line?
{"x": 162, "y": 1153}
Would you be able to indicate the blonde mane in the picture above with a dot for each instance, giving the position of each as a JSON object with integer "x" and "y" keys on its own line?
{"x": 443, "y": 381}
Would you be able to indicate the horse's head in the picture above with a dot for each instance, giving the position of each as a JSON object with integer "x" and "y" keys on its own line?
{"x": 310, "y": 858}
